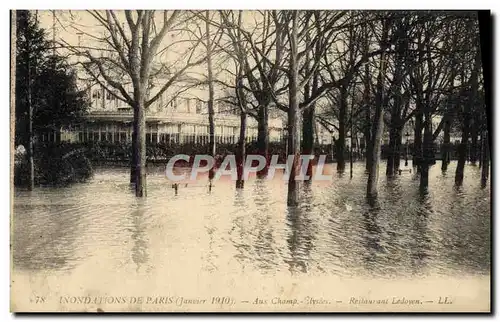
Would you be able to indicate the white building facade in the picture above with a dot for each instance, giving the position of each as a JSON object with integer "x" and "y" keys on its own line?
{"x": 173, "y": 118}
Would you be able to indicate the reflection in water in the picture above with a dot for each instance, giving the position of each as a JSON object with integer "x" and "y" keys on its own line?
{"x": 239, "y": 199}
{"x": 372, "y": 235}
{"x": 300, "y": 236}
{"x": 140, "y": 244}
{"x": 465, "y": 235}
{"x": 239, "y": 228}
{"x": 45, "y": 234}
{"x": 264, "y": 242}
{"x": 253, "y": 229}
{"x": 45, "y": 239}
{"x": 209, "y": 257}
{"x": 208, "y": 260}
{"x": 420, "y": 242}
{"x": 334, "y": 230}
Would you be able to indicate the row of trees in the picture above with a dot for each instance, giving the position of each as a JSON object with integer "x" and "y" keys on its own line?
{"x": 354, "y": 72}
{"x": 369, "y": 71}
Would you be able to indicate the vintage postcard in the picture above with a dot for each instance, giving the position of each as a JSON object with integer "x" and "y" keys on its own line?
{"x": 250, "y": 161}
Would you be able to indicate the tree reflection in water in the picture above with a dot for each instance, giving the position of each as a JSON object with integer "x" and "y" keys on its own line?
{"x": 264, "y": 244}
{"x": 300, "y": 238}
{"x": 421, "y": 243}
{"x": 372, "y": 234}
{"x": 252, "y": 232}
{"x": 140, "y": 254}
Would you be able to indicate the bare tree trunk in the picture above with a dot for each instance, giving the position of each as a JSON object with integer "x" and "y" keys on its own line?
{"x": 428, "y": 144}
{"x": 428, "y": 153}
{"x": 417, "y": 143}
{"x": 308, "y": 135}
{"x": 309, "y": 130}
{"x": 462, "y": 150}
{"x": 263, "y": 136}
{"x": 378, "y": 125}
{"x": 473, "y": 145}
{"x": 368, "y": 138}
{"x": 367, "y": 121}
{"x": 485, "y": 170}
{"x": 358, "y": 150}
{"x": 351, "y": 161}
{"x": 378, "y": 128}
{"x": 294, "y": 117}
{"x": 352, "y": 40}
{"x": 481, "y": 148}
{"x": 394, "y": 155}
{"x": 342, "y": 130}
{"x": 133, "y": 163}
{"x": 399, "y": 101}
{"x": 395, "y": 125}
{"x": 240, "y": 157}
{"x": 399, "y": 144}
{"x": 445, "y": 149}
{"x": 211, "y": 122}
{"x": 30, "y": 149}
{"x": 140, "y": 184}
{"x": 391, "y": 164}
{"x": 293, "y": 149}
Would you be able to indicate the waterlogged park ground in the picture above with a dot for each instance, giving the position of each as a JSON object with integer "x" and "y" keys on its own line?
{"x": 96, "y": 239}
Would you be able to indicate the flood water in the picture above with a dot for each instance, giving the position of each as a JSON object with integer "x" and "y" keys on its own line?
{"x": 99, "y": 227}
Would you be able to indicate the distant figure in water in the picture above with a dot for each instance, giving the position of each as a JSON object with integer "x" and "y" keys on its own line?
{"x": 175, "y": 186}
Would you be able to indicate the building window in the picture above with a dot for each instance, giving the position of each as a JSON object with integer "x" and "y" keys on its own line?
{"x": 198, "y": 107}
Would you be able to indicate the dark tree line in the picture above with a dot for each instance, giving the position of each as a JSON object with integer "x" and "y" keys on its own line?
{"x": 47, "y": 96}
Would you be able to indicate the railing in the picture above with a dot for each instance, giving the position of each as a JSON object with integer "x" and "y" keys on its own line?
{"x": 182, "y": 117}
{"x": 160, "y": 152}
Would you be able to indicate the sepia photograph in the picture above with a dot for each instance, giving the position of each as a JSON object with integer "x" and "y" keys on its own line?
{"x": 250, "y": 161}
